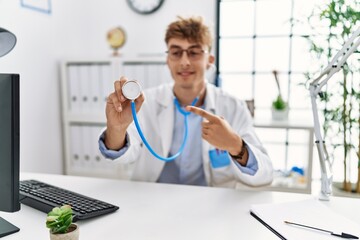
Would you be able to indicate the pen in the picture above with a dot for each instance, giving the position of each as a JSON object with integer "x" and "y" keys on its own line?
{"x": 342, "y": 235}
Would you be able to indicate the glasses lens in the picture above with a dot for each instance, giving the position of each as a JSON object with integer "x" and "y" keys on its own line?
{"x": 175, "y": 53}
{"x": 195, "y": 53}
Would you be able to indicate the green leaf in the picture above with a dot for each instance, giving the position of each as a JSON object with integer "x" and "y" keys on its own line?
{"x": 65, "y": 208}
{"x": 52, "y": 224}
{"x": 59, "y": 219}
{"x": 51, "y": 218}
{"x": 56, "y": 211}
{"x": 67, "y": 223}
{"x": 62, "y": 229}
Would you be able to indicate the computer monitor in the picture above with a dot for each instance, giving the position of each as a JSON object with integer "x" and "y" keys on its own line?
{"x": 9, "y": 149}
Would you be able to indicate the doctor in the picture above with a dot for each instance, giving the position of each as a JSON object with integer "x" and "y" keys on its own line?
{"x": 222, "y": 148}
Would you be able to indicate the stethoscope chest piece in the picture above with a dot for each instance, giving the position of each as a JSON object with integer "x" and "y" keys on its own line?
{"x": 131, "y": 89}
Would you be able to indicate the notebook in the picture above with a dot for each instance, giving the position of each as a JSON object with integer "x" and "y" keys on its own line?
{"x": 309, "y": 212}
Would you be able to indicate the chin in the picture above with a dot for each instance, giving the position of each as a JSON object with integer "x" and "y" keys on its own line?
{"x": 185, "y": 84}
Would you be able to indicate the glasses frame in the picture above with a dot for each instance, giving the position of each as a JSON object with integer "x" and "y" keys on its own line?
{"x": 171, "y": 57}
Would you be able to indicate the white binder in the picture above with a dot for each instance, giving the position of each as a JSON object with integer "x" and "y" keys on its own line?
{"x": 99, "y": 161}
{"x": 74, "y": 96}
{"x": 140, "y": 75}
{"x": 106, "y": 82}
{"x": 153, "y": 75}
{"x": 96, "y": 102}
{"x": 135, "y": 71}
{"x": 75, "y": 147}
{"x": 129, "y": 71}
{"x": 165, "y": 74}
{"x": 86, "y": 146}
{"x": 84, "y": 76}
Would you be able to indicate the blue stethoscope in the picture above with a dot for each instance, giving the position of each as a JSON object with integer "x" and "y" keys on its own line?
{"x": 132, "y": 90}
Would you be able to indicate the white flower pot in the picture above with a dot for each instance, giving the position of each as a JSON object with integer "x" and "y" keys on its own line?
{"x": 73, "y": 234}
{"x": 280, "y": 115}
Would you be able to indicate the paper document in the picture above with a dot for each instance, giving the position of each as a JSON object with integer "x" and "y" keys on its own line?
{"x": 308, "y": 212}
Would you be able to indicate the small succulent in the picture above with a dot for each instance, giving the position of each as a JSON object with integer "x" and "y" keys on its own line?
{"x": 59, "y": 219}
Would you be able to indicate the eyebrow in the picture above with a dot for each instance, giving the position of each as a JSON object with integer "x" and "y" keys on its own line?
{"x": 192, "y": 46}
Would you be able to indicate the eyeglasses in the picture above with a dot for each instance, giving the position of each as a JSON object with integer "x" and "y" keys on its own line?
{"x": 193, "y": 53}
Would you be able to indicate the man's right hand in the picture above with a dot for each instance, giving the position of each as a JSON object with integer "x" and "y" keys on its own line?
{"x": 119, "y": 116}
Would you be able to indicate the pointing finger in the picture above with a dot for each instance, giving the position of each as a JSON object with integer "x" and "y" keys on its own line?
{"x": 201, "y": 112}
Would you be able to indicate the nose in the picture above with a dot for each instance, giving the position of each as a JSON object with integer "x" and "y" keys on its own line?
{"x": 184, "y": 60}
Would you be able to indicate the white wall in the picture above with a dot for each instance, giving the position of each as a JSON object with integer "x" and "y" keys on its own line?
{"x": 74, "y": 29}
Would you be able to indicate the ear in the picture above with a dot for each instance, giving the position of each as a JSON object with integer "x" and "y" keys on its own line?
{"x": 211, "y": 61}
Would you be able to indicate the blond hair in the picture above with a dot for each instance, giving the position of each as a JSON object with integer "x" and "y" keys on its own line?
{"x": 192, "y": 29}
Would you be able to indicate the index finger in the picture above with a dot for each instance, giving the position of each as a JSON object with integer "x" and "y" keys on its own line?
{"x": 117, "y": 86}
{"x": 201, "y": 112}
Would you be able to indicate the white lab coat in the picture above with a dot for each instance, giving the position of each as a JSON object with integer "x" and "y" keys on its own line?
{"x": 156, "y": 118}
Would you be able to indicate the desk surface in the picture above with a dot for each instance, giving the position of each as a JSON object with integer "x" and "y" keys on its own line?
{"x": 164, "y": 211}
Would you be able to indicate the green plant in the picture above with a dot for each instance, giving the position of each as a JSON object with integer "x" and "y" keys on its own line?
{"x": 335, "y": 21}
{"x": 59, "y": 219}
{"x": 279, "y": 103}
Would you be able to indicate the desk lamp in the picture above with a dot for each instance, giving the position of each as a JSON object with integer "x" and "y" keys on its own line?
{"x": 333, "y": 67}
{"x": 7, "y": 41}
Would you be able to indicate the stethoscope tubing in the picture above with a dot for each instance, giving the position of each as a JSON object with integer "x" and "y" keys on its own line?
{"x": 181, "y": 149}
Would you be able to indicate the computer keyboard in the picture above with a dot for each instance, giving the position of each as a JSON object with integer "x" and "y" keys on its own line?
{"x": 45, "y": 197}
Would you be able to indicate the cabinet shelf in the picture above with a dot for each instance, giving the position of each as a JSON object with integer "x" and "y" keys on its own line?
{"x": 288, "y": 182}
{"x": 85, "y": 85}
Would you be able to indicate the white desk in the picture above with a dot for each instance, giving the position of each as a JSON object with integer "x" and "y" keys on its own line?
{"x": 162, "y": 211}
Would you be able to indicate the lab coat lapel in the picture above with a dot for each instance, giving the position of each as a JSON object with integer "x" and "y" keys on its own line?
{"x": 166, "y": 119}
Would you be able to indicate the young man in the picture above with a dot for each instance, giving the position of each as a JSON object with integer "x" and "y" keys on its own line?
{"x": 222, "y": 148}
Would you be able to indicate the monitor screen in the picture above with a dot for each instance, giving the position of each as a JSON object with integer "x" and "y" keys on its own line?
{"x": 9, "y": 148}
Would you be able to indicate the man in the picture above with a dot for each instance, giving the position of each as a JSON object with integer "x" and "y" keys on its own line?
{"x": 222, "y": 148}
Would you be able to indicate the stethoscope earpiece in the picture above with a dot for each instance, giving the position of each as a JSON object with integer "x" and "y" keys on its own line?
{"x": 131, "y": 89}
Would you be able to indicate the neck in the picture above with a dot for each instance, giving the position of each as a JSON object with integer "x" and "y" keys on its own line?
{"x": 186, "y": 96}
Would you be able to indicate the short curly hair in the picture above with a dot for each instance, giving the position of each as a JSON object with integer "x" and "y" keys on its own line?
{"x": 192, "y": 29}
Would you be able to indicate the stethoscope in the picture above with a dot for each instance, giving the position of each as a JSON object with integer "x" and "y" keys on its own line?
{"x": 132, "y": 90}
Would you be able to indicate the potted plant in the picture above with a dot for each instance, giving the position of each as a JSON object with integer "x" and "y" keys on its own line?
{"x": 341, "y": 100}
{"x": 59, "y": 221}
{"x": 279, "y": 107}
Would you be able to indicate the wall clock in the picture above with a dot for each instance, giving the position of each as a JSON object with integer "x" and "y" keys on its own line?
{"x": 145, "y": 6}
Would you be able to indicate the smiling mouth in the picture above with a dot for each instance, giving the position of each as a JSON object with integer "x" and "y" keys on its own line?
{"x": 185, "y": 74}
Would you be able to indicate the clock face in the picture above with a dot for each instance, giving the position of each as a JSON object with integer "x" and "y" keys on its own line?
{"x": 145, "y": 6}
